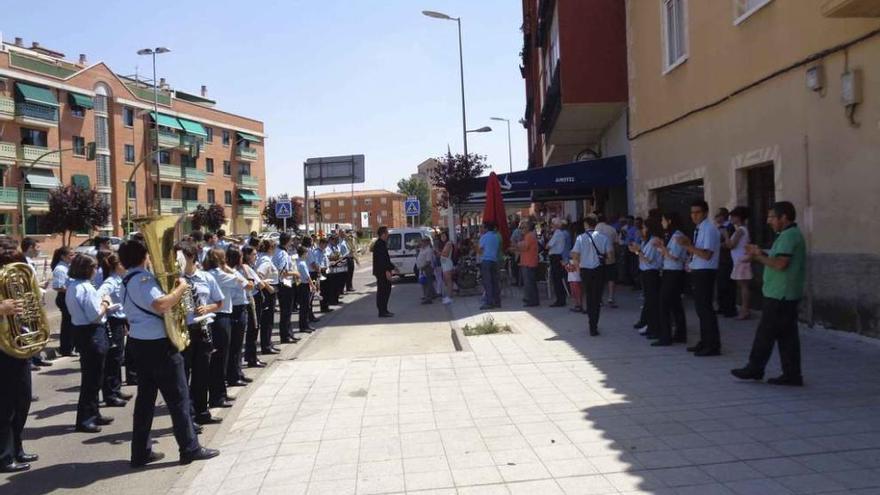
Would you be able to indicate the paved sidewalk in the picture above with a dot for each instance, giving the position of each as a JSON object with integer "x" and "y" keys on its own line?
{"x": 549, "y": 410}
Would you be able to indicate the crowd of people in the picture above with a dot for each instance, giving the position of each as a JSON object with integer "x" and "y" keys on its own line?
{"x": 113, "y": 313}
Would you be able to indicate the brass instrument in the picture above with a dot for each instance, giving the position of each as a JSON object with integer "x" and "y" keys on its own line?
{"x": 24, "y": 335}
{"x": 159, "y": 237}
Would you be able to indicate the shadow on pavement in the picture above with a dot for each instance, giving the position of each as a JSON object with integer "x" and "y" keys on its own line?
{"x": 59, "y": 371}
{"x": 55, "y": 410}
{"x": 71, "y": 476}
{"x": 34, "y": 433}
{"x": 125, "y": 437}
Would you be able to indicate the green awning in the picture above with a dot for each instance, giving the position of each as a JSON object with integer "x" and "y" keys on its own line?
{"x": 79, "y": 100}
{"x": 81, "y": 181}
{"x": 166, "y": 121}
{"x": 43, "y": 179}
{"x": 192, "y": 127}
{"x": 249, "y": 137}
{"x": 248, "y": 195}
{"x": 35, "y": 94}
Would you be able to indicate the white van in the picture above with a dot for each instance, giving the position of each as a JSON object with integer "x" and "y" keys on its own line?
{"x": 403, "y": 247}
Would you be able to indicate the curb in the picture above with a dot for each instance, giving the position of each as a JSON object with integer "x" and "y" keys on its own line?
{"x": 459, "y": 341}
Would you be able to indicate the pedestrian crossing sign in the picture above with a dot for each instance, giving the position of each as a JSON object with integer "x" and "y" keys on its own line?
{"x": 412, "y": 207}
{"x": 283, "y": 209}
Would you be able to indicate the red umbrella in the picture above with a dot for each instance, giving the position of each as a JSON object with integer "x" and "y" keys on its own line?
{"x": 494, "y": 209}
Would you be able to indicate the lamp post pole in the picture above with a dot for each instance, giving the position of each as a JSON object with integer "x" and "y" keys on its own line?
{"x": 509, "y": 147}
{"x": 153, "y": 52}
{"x": 22, "y": 211}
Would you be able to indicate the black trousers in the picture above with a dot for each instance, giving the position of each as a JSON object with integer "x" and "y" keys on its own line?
{"x": 91, "y": 340}
{"x": 778, "y": 326}
{"x": 15, "y": 404}
{"x": 322, "y": 289}
{"x": 160, "y": 369}
{"x": 197, "y": 368}
{"x": 304, "y": 298}
{"x": 671, "y": 308}
{"x": 116, "y": 328}
{"x": 238, "y": 325}
{"x": 592, "y": 280}
{"x": 220, "y": 333}
{"x": 704, "y": 295}
{"x": 632, "y": 265}
{"x": 383, "y": 293}
{"x": 65, "y": 337}
{"x": 267, "y": 319}
{"x": 286, "y": 297}
{"x": 726, "y": 290}
{"x": 651, "y": 288}
{"x": 253, "y": 329}
{"x": 557, "y": 277}
{"x": 349, "y": 275}
{"x": 335, "y": 286}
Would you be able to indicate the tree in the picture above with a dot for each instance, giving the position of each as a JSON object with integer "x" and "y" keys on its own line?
{"x": 292, "y": 222}
{"x": 213, "y": 217}
{"x": 453, "y": 174}
{"x": 417, "y": 187}
{"x": 76, "y": 209}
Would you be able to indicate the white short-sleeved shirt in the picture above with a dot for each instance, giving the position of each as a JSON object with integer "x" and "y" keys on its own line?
{"x": 112, "y": 287}
{"x": 677, "y": 250}
{"x": 83, "y": 303}
{"x": 707, "y": 237}
{"x": 142, "y": 290}
{"x": 589, "y": 258}
{"x": 229, "y": 283}
{"x": 266, "y": 269}
{"x": 59, "y": 276}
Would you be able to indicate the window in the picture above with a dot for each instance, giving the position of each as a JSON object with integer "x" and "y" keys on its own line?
{"x": 128, "y": 116}
{"x": 210, "y": 137}
{"x": 551, "y": 54}
{"x": 227, "y": 197}
{"x": 244, "y": 169}
{"x": 165, "y": 157}
{"x": 187, "y": 161}
{"x": 209, "y": 165}
{"x": 132, "y": 190}
{"x": 165, "y": 191}
{"x": 211, "y": 198}
{"x": 368, "y": 202}
{"x": 225, "y": 138}
{"x": 38, "y": 225}
{"x": 190, "y": 193}
{"x": 383, "y": 200}
{"x": 743, "y": 9}
{"x": 77, "y": 111}
{"x": 383, "y": 213}
{"x": 354, "y": 202}
{"x": 129, "y": 153}
{"x": 227, "y": 167}
{"x": 102, "y": 133}
{"x": 394, "y": 240}
{"x": 326, "y": 205}
{"x": 34, "y": 137}
{"x": 79, "y": 146}
{"x": 674, "y": 32}
{"x": 341, "y": 202}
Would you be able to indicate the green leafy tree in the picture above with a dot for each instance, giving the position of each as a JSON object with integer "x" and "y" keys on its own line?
{"x": 76, "y": 209}
{"x": 452, "y": 175}
{"x": 294, "y": 221}
{"x": 417, "y": 187}
{"x": 212, "y": 218}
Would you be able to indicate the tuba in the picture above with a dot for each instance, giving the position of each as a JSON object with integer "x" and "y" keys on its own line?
{"x": 24, "y": 335}
{"x": 159, "y": 237}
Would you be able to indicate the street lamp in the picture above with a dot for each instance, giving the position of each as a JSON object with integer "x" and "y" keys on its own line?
{"x": 153, "y": 52}
{"x": 509, "y": 152}
{"x": 485, "y": 128}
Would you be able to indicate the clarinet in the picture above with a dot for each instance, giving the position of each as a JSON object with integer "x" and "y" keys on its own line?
{"x": 203, "y": 325}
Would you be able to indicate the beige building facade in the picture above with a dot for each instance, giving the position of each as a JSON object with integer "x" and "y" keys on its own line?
{"x": 746, "y": 102}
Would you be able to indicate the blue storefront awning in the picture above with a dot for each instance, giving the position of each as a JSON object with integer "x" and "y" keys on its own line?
{"x": 568, "y": 181}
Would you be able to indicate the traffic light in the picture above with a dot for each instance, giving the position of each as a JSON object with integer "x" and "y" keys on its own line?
{"x": 318, "y": 208}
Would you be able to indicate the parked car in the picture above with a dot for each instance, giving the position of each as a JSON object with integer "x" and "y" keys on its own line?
{"x": 403, "y": 247}
{"x": 88, "y": 245}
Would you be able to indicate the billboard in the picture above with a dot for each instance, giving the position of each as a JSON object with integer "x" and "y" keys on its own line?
{"x": 329, "y": 170}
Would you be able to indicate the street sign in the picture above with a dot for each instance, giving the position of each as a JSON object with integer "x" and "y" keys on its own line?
{"x": 365, "y": 219}
{"x": 329, "y": 170}
{"x": 283, "y": 209}
{"x": 412, "y": 206}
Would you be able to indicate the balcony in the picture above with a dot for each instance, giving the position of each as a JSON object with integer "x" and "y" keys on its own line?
{"x": 248, "y": 154}
{"x": 169, "y": 205}
{"x": 248, "y": 211}
{"x": 192, "y": 175}
{"x": 247, "y": 181}
{"x": 36, "y": 115}
{"x": 190, "y": 205}
{"x": 168, "y": 139}
{"x": 28, "y": 153}
{"x": 7, "y": 152}
{"x": 7, "y": 108}
{"x": 35, "y": 199}
{"x": 8, "y": 197}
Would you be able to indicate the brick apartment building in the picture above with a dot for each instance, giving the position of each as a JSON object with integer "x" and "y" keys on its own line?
{"x": 49, "y": 103}
{"x": 424, "y": 172}
{"x": 384, "y": 208}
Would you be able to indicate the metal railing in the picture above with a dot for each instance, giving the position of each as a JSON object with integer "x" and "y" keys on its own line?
{"x": 190, "y": 205}
{"x": 34, "y": 112}
{"x": 248, "y": 211}
{"x": 171, "y": 205}
{"x": 36, "y": 197}
{"x": 246, "y": 153}
{"x": 168, "y": 139}
{"x": 7, "y": 150}
{"x": 9, "y": 195}
{"x": 7, "y": 106}
{"x": 29, "y": 152}
{"x": 248, "y": 181}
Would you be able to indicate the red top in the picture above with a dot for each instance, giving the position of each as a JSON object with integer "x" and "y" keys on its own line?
{"x": 528, "y": 251}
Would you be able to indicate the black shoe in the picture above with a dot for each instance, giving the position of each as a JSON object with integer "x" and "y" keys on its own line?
{"x": 103, "y": 420}
{"x": 531, "y": 305}
{"x": 482, "y": 308}
{"x": 386, "y": 315}
{"x": 326, "y": 310}
{"x": 26, "y": 458}
{"x": 708, "y": 352}
{"x": 747, "y": 374}
{"x": 308, "y": 329}
{"x": 88, "y": 428}
{"x": 153, "y": 457}
{"x": 558, "y": 305}
{"x": 661, "y": 343}
{"x": 792, "y": 381}
{"x": 314, "y": 320}
{"x": 198, "y": 429}
{"x": 695, "y": 348}
{"x": 199, "y": 454}
{"x": 224, "y": 404}
{"x": 124, "y": 395}
{"x": 256, "y": 364}
{"x": 114, "y": 402}
{"x": 270, "y": 351}
{"x": 680, "y": 340}
{"x": 41, "y": 362}
{"x": 594, "y": 332}
{"x": 288, "y": 340}
{"x": 236, "y": 383}
{"x": 14, "y": 467}
{"x": 640, "y": 325}
{"x": 246, "y": 379}
{"x": 577, "y": 309}
{"x": 207, "y": 419}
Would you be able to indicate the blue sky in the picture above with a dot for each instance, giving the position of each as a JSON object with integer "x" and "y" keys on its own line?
{"x": 328, "y": 77}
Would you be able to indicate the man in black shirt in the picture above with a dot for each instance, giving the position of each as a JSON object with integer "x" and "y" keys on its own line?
{"x": 382, "y": 270}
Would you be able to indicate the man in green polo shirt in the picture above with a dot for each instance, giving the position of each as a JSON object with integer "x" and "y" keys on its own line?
{"x": 784, "y": 269}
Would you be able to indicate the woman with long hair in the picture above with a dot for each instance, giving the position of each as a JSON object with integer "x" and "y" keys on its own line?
{"x": 255, "y": 302}
{"x": 117, "y": 328}
{"x": 447, "y": 266}
{"x": 742, "y": 264}
{"x": 60, "y": 265}
{"x": 240, "y": 308}
{"x": 650, "y": 263}
{"x": 672, "y": 285}
{"x": 269, "y": 273}
{"x": 88, "y": 311}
